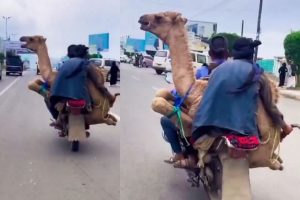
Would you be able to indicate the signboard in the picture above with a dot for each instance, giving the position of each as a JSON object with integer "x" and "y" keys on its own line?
{"x": 152, "y": 42}
{"x": 16, "y": 47}
{"x": 202, "y": 29}
{"x": 135, "y": 45}
{"x": 101, "y": 41}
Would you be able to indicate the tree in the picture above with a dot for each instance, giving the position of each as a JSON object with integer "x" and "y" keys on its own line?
{"x": 2, "y": 58}
{"x": 292, "y": 51}
{"x": 95, "y": 55}
{"x": 231, "y": 38}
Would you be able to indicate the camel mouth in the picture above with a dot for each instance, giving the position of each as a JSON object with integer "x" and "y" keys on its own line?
{"x": 145, "y": 25}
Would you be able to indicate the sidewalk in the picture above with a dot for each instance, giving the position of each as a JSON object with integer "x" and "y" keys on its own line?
{"x": 290, "y": 93}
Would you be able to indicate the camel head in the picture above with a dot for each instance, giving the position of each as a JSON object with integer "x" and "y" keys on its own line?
{"x": 161, "y": 24}
{"x": 33, "y": 42}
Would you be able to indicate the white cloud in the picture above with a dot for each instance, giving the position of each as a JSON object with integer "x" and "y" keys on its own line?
{"x": 63, "y": 22}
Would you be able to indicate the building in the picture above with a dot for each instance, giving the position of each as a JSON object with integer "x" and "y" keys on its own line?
{"x": 201, "y": 29}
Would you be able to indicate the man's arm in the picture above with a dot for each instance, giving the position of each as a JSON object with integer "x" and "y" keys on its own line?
{"x": 99, "y": 80}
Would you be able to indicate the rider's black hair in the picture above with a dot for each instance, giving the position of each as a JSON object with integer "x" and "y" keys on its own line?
{"x": 244, "y": 48}
{"x": 218, "y": 47}
{"x": 79, "y": 51}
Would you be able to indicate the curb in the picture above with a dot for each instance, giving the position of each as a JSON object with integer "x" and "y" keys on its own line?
{"x": 291, "y": 96}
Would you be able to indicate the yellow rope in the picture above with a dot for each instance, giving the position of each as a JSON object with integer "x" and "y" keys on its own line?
{"x": 268, "y": 139}
{"x": 105, "y": 100}
{"x": 273, "y": 149}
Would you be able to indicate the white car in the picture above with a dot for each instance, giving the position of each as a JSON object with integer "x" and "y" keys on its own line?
{"x": 124, "y": 58}
{"x": 160, "y": 60}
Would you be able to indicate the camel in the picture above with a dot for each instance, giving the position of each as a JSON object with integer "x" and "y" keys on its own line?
{"x": 100, "y": 106}
{"x": 170, "y": 28}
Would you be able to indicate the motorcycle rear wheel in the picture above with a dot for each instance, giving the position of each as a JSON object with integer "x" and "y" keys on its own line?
{"x": 75, "y": 146}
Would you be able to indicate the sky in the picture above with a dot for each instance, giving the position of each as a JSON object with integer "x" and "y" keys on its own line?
{"x": 65, "y": 22}
{"x": 279, "y": 17}
{"x": 62, "y": 22}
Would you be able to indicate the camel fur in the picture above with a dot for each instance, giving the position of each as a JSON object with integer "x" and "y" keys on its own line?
{"x": 170, "y": 28}
{"x": 100, "y": 103}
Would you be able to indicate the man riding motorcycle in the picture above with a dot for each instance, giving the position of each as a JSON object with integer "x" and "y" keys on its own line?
{"x": 229, "y": 103}
{"x": 71, "y": 82}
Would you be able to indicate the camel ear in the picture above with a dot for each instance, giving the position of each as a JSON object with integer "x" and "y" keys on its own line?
{"x": 179, "y": 18}
{"x": 42, "y": 39}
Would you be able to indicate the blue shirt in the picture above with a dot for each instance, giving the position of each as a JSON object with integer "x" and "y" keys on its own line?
{"x": 201, "y": 72}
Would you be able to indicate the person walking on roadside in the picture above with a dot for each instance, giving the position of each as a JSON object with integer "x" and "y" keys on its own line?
{"x": 114, "y": 73}
{"x": 282, "y": 74}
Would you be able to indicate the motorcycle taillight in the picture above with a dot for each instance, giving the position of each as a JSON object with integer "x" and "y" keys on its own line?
{"x": 76, "y": 103}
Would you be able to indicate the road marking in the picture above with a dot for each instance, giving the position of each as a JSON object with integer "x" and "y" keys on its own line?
{"x": 9, "y": 86}
{"x": 155, "y": 88}
{"x": 135, "y": 78}
{"x": 115, "y": 115}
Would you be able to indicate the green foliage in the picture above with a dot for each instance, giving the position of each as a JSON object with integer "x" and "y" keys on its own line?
{"x": 292, "y": 48}
{"x": 95, "y": 56}
{"x": 292, "y": 51}
{"x": 231, "y": 38}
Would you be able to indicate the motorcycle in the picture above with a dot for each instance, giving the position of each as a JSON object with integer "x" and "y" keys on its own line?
{"x": 223, "y": 170}
{"x": 73, "y": 123}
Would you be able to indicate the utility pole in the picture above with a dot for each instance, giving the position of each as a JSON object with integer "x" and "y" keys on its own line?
{"x": 6, "y": 19}
{"x": 258, "y": 27}
{"x": 242, "y": 32}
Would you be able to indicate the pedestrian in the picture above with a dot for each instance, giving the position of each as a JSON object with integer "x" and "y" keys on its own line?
{"x": 282, "y": 74}
{"x": 202, "y": 71}
{"x": 113, "y": 73}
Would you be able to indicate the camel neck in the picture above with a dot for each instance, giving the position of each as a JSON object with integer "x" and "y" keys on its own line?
{"x": 182, "y": 66}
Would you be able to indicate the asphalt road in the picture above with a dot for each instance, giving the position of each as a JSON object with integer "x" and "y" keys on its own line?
{"x": 144, "y": 175}
{"x": 35, "y": 164}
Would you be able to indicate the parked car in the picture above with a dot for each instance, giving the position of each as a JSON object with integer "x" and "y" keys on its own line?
{"x": 14, "y": 64}
{"x": 146, "y": 61}
{"x": 105, "y": 64}
{"x": 97, "y": 61}
{"x": 160, "y": 60}
{"x": 199, "y": 58}
{"x": 124, "y": 59}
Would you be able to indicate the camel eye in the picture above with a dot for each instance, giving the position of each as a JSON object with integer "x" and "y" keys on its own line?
{"x": 158, "y": 18}
{"x": 31, "y": 39}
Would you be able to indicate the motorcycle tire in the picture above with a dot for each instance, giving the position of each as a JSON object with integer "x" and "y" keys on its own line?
{"x": 75, "y": 146}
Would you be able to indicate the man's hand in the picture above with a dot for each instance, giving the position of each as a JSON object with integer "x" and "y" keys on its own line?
{"x": 286, "y": 130}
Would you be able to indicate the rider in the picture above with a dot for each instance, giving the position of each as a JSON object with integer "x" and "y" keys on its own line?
{"x": 219, "y": 53}
{"x": 71, "y": 79}
{"x": 229, "y": 104}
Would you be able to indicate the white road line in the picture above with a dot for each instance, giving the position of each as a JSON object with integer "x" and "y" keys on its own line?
{"x": 155, "y": 88}
{"x": 115, "y": 115}
{"x": 135, "y": 78}
{"x": 9, "y": 86}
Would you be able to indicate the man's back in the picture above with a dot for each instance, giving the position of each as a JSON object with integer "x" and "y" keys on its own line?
{"x": 71, "y": 81}
{"x": 222, "y": 106}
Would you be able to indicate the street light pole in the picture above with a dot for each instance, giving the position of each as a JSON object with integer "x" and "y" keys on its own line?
{"x": 258, "y": 27}
{"x": 242, "y": 32}
{"x": 6, "y": 19}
